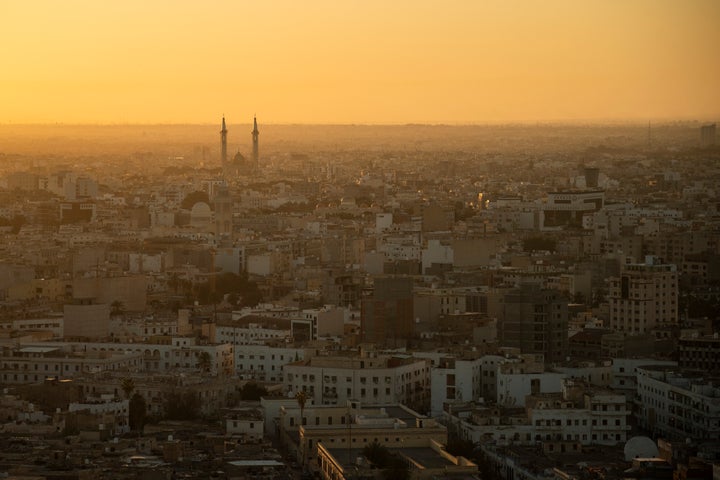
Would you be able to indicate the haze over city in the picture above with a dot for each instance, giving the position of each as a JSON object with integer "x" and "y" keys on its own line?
{"x": 340, "y": 240}
{"x": 372, "y": 62}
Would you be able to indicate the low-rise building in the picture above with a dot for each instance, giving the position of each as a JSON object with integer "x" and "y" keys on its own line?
{"x": 679, "y": 404}
{"x": 368, "y": 378}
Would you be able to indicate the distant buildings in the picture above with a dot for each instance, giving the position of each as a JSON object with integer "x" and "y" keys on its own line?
{"x": 239, "y": 165}
{"x": 707, "y": 134}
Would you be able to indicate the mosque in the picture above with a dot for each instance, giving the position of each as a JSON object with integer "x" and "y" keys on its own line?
{"x": 239, "y": 165}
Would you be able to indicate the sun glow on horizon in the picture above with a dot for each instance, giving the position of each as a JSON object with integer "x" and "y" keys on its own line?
{"x": 358, "y": 62}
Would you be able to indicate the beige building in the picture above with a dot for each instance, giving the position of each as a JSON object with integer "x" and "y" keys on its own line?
{"x": 86, "y": 320}
{"x": 644, "y": 298}
{"x": 354, "y": 426}
{"x": 34, "y": 363}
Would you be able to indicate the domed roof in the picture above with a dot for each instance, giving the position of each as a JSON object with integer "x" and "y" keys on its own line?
{"x": 640, "y": 446}
{"x": 238, "y": 157}
{"x": 201, "y": 209}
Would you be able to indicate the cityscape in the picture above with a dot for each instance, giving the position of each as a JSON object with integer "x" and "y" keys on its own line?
{"x": 522, "y": 290}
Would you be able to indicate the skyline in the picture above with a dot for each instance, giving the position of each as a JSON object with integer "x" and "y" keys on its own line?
{"x": 465, "y": 63}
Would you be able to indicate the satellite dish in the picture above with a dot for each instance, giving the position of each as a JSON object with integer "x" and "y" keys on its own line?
{"x": 640, "y": 447}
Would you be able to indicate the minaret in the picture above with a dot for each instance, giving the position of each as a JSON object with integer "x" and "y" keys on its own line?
{"x": 223, "y": 138}
{"x": 255, "y": 134}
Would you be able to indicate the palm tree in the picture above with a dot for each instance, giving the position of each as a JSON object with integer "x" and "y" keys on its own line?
{"x": 117, "y": 307}
{"x": 128, "y": 386}
{"x": 301, "y": 398}
{"x": 205, "y": 362}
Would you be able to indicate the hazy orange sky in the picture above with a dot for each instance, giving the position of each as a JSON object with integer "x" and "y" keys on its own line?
{"x": 337, "y": 61}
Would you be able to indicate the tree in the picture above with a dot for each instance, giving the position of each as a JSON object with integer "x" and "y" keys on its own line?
{"x": 174, "y": 282}
{"x": 184, "y": 406}
{"x": 204, "y": 361}
{"x": 394, "y": 467}
{"x": 460, "y": 447}
{"x": 193, "y": 198}
{"x": 376, "y": 453}
{"x": 301, "y": 397}
{"x": 137, "y": 413}
{"x": 252, "y": 391}
{"x": 128, "y": 386}
{"x": 117, "y": 308}
{"x": 533, "y": 244}
{"x": 229, "y": 284}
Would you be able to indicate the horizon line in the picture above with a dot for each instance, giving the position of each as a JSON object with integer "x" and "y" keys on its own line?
{"x": 556, "y": 122}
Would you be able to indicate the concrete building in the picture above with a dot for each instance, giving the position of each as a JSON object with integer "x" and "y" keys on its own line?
{"x": 708, "y": 134}
{"x": 354, "y": 426}
{"x": 567, "y": 208}
{"x": 29, "y": 364}
{"x": 246, "y": 423}
{"x": 644, "y": 298}
{"x": 535, "y": 321}
{"x": 368, "y": 378}
{"x": 679, "y": 404}
{"x": 387, "y": 314}
{"x": 515, "y": 381}
{"x": 426, "y": 460}
{"x": 579, "y": 414}
{"x": 625, "y": 373}
{"x": 87, "y": 320}
{"x": 699, "y": 352}
{"x": 263, "y": 362}
{"x": 454, "y": 379}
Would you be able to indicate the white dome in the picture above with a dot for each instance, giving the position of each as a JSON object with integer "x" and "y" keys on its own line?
{"x": 640, "y": 447}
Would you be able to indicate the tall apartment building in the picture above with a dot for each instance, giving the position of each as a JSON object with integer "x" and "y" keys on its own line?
{"x": 387, "y": 314}
{"x": 644, "y": 297}
{"x": 535, "y": 321}
{"x": 700, "y": 352}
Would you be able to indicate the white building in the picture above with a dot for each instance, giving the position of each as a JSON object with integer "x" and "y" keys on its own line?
{"x": 33, "y": 363}
{"x": 515, "y": 381}
{"x": 107, "y": 405}
{"x": 454, "y": 380}
{"x": 263, "y": 362}
{"x": 250, "y": 333}
{"x": 578, "y": 414}
{"x": 625, "y": 373}
{"x": 246, "y": 423}
{"x": 176, "y": 354}
{"x": 371, "y": 380}
{"x": 678, "y": 404}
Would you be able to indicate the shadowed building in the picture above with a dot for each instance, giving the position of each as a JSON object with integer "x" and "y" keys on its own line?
{"x": 707, "y": 135}
{"x": 387, "y": 314}
{"x": 534, "y": 320}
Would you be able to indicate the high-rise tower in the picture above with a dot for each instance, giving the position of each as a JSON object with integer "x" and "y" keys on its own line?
{"x": 223, "y": 137}
{"x": 255, "y": 134}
